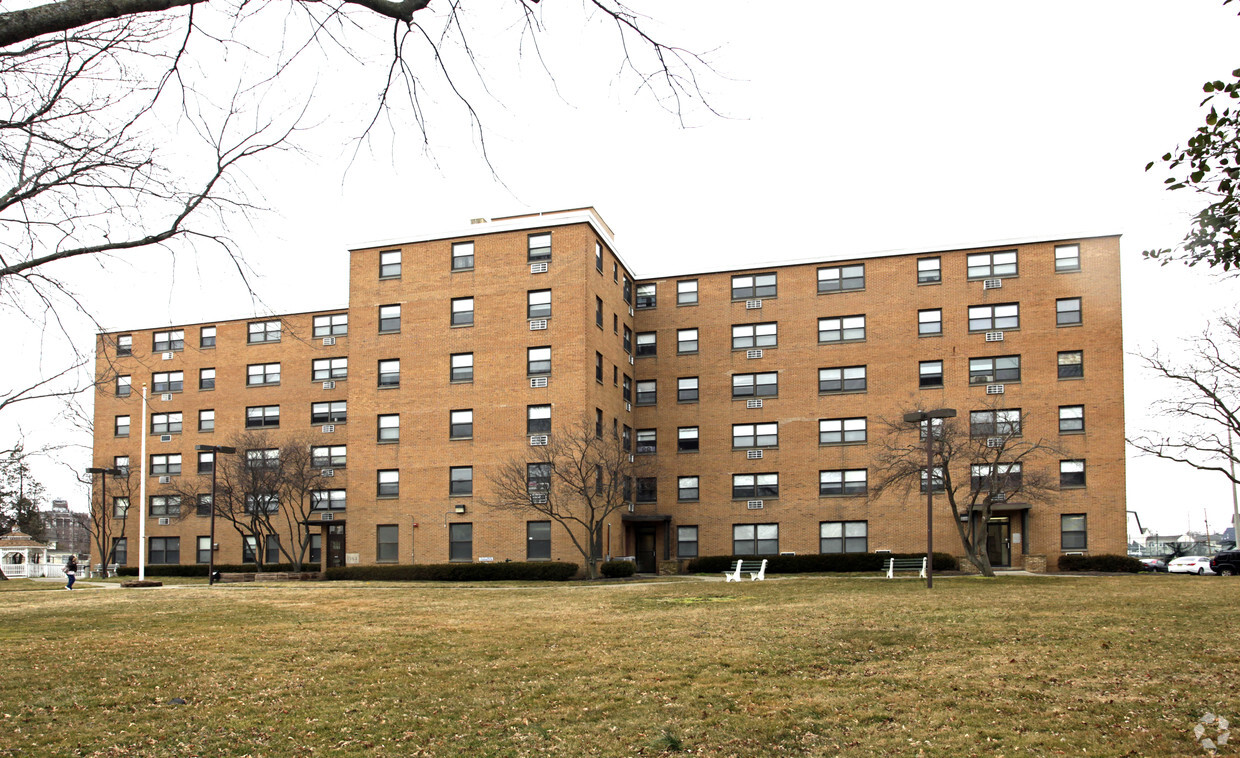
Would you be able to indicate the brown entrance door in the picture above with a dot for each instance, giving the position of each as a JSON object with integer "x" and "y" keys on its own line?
{"x": 646, "y": 550}
{"x": 999, "y": 541}
{"x": 335, "y": 545}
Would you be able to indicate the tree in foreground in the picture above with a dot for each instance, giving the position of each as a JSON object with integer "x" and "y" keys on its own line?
{"x": 579, "y": 479}
{"x": 109, "y": 511}
{"x": 979, "y": 462}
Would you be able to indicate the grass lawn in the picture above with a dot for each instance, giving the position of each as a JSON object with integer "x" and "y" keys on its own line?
{"x": 1101, "y": 666}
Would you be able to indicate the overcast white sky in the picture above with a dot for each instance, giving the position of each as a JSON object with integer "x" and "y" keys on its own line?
{"x": 872, "y": 126}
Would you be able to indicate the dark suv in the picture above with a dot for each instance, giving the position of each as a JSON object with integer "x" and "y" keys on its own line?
{"x": 1226, "y": 563}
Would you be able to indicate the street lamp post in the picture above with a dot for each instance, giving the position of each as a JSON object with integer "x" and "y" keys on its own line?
{"x": 917, "y": 417}
{"x": 215, "y": 451}
{"x": 103, "y": 506}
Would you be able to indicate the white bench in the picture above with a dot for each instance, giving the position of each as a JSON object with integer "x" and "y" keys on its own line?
{"x": 755, "y": 569}
{"x": 906, "y": 564}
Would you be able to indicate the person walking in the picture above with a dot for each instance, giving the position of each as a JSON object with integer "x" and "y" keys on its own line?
{"x": 71, "y": 571}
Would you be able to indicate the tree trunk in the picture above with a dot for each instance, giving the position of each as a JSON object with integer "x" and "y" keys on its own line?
{"x": 978, "y": 557}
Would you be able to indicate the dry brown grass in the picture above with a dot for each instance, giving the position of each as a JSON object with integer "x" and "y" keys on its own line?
{"x": 802, "y": 666}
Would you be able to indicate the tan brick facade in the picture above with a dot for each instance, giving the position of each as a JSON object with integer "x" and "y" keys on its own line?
{"x": 499, "y": 335}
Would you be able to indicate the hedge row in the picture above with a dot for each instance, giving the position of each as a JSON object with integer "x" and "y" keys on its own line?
{"x": 802, "y": 564}
{"x": 457, "y": 572}
{"x": 617, "y": 569}
{"x": 200, "y": 569}
{"x": 1115, "y": 564}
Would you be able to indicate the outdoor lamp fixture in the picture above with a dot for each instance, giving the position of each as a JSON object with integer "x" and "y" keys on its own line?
{"x": 103, "y": 498}
{"x": 215, "y": 451}
{"x": 917, "y": 417}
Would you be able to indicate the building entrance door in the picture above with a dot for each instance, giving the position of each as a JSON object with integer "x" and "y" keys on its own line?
{"x": 335, "y": 545}
{"x": 646, "y": 559}
{"x": 999, "y": 541}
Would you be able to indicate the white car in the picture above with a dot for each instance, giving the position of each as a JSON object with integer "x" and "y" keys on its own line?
{"x": 1190, "y": 564}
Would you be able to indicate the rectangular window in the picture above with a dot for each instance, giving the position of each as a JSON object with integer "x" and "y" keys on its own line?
{"x": 747, "y": 336}
{"x": 328, "y": 456}
{"x": 687, "y": 389}
{"x": 329, "y": 500}
{"x": 687, "y": 439}
{"x": 538, "y": 304}
{"x": 258, "y": 374}
{"x": 995, "y": 423}
{"x": 841, "y": 431}
{"x": 165, "y": 550}
{"x": 598, "y": 423}
{"x": 1071, "y": 474}
{"x": 262, "y": 417}
{"x": 389, "y": 264}
{"x": 841, "y": 329}
{"x": 842, "y": 482}
{"x": 1071, "y": 419}
{"x": 206, "y": 420}
{"x": 538, "y": 540}
{"x": 754, "y": 286}
{"x": 316, "y": 549}
{"x": 930, "y": 374}
{"x": 538, "y": 361}
{"x": 124, "y": 344}
{"x": 755, "y": 385}
{"x": 538, "y": 477}
{"x": 120, "y": 550}
{"x": 626, "y": 436}
{"x": 844, "y": 379}
{"x": 387, "y": 483}
{"x": 389, "y": 427}
{"x": 166, "y": 465}
{"x": 262, "y": 458}
{"x": 263, "y": 331}
{"x": 751, "y": 486}
{"x": 206, "y": 379}
{"x": 755, "y": 435}
{"x": 463, "y": 311}
{"x": 171, "y": 340}
{"x": 626, "y": 289}
{"x": 332, "y": 325}
{"x": 247, "y": 549}
{"x": 929, "y": 321}
{"x": 647, "y": 392}
{"x": 985, "y": 265}
{"x": 121, "y": 426}
{"x": 929, "y": 271}
{"x": 1068, "y": 311}
{"x": 461, "y": 424}
{"x": 121, "y": 464}
{"x": 204, "y": 550}
{"x": 647, "y": 296}
{"x": 203, "y": 506}
{"x": 168, "y": 381}
{"x": 273, "y": 549}
{"x": 687, "y": 292}
{"x": 687, "y": 489}
{"x": 124, "y": 385}
{"x": 387, "y": 543}
{"x": 646, "y": 344}
{"x": 841, "y": 278}
{"x": 647, "y": 441}
{"x": 324, "y": 369}
{"x": 994, "y": 317}
{"x": 334, "y": 412}
{"x": 647, "y": 489}
{"x": 598, "y": 256}
{"x": 206, "y": 337}
{"x": 627, "y": 391}
{"x": 462, "y": 256}
{"x": 461, "y": 541}
{"x": 165, "y": 423}
{"x": 938, "y": 476}
{"x": 628, "y": 340}
{"x": 995, "y": 477}
{"x": 844, "y": 536}
{"x": 1067, "y": 258}
{"x": 462, "y": 367}
{"x": 540, "y": 247}
{"x": 1071, "y": 364}
{"x": 686, "y": 341}
{"x": 389, "y": 372}
{"x": 755, "y": 539}
{"x": 598, "y": 367}
{"x": 461, "y": 481}
{"x": 1072, "y": 532}
{"x": 1004, "y": 368}
{"x": 598, "y": 312}
{"x": 389, "y": 319}
{"x": 538, "y": 419}
{"x": 165, "y": 506}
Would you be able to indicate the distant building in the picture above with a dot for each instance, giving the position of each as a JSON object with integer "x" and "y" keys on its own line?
{"x": 66, "y": 529}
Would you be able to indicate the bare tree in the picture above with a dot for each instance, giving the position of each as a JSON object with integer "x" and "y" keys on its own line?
{"x": 978, "y": 462}
{"x": 110, "y": 497}
{"x": 1202, "y": 404}
{"x": 579, "y": 479}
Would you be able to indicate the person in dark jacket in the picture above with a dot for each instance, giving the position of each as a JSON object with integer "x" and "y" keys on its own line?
{"x": 71, "y": 571}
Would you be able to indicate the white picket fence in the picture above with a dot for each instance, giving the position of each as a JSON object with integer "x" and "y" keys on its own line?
{"x": 32, "y": 570}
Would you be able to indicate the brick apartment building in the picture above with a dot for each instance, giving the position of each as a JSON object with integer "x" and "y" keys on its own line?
{"x": 757, "y": 395}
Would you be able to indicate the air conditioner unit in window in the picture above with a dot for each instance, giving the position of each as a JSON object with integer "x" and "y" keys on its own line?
{"x": 538, "y": 381}
{"x": 1074, "y": 552}
{"x": 630, "y": 360}
{"x": 994, "y": 336}
{"x": 167, "y": 356}
{"x": 787, "y": 552}
{"x": 329, "y": 428}
{"x": 994, "y": 389}
{"x": 329, "y": 340}
{"x": 166, "y": 396}
{"x": 538, "y": 497}
{"x": 754, "y": 505}
{"x": 537, "y": 324}
{"x": 753, "y": 353}
{"x": 630, "y": 313}
{"x": 328, "y": 472}
{"x": 992, "y": 284}
{"x": 994, "y": 442}
{"x": 752, "y": 304}
{"x": 327, "y": 517}
{"x": 753, "y": 403}
{"x": 329, "y": 385}
{"x": 999, "y": 497}
{"x": 628, "y": 406}
{"x": 538, "y": 268}
{"x": 630, "y": 459}
{"x": 165, "y": 521}
{"x": 632, "y": 507}
{"x": 753, "y": 454}
{"x": 165, "y": 438}
{"x": 538, "y": 439}
{"x": 165, "y": 480}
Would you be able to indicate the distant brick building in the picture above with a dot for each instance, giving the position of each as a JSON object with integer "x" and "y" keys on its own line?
{"x": 755, "y": 392}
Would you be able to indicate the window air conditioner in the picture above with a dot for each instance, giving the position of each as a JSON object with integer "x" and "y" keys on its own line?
{"x": 538, "y": 381}
{"x": 992, "y": 284}
{"x": 165, "y": 438}
{"x": 538, "y": 439}
{"x": 628, "y": 406}
{"x": 754, "y": 505}
{"x": 166, "y": 396}
{"x": 753, "y": 403}
{"x": 165, "y": 521}
{"x": 753, "y": 353}
{"x": 329, "y": 428}
{"x": 328, "y": 472}
{"x": 753, "y": 305}
{"x": 329, "y": 341}
{"x": 994, "y": 442}
{"x": 167, "y": 356}
{"x": 329, "y": 385}
{"x": 994, "y": 336}
{"x": 327, "y": 517}
{"x": 165, "y": 480}
{"x": 538, "y": 268}
{"x": 752, "y": 454}
{"x": 994, "y": 389}
{"x": 537, "y": 324}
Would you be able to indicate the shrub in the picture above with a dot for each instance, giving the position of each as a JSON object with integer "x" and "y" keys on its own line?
{"x": 618, "y": 569}
{"x": 1116, "y": 564}
{"x": 200, "y": 569}
{"x": 549, "y": 571}
{"x": 816, "y": 563}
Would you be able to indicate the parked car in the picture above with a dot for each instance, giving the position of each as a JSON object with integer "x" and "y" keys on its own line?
{"x": 1226, "y": 563}
{"x": 1190, "y": 564}
{"x": 1154, "y": 564}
